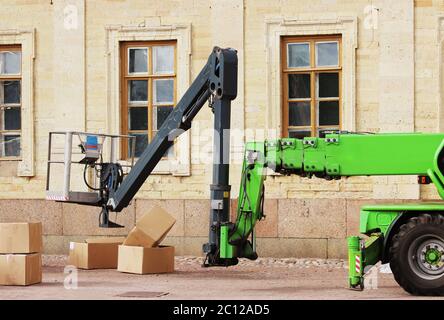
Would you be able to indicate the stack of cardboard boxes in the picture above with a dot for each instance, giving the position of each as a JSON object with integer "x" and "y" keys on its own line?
{"x": 20, "y": 253}
{"x": 140, "y": 252}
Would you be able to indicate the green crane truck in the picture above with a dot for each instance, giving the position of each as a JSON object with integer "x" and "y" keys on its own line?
{"x": 408, "y": 236}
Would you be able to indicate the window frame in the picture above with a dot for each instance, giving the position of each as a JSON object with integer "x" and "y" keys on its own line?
{"x": 314, "y": 71}
{"x": 13, "y": 77}
{"x": 149, "y": 76}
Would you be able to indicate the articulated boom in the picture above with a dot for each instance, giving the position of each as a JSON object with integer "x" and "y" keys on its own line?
{"x": 338, "y": 155}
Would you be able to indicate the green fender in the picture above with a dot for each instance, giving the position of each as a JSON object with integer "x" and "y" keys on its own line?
{"x": 386, "y": 219}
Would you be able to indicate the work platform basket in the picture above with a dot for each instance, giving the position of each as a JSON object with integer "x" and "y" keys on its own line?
{"x": 74, "y": 159}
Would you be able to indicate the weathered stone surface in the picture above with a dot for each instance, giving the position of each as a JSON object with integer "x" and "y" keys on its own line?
{"x": 60, "y": 244}
{"x": 47, "y": 212}
{"x": 54, "y": 245}
{"x": 353, "y": 216}
{"x": 312, "y": 218}
{"x": 197, "y": 215}
{"x": 192, "y": 246}
{"x": 268, "y": 227}
{"x": 83, "y": 220}
{"x": 337, "y": 249}
{"x": 176, "y": 242}
{"x": 292, "y": 247}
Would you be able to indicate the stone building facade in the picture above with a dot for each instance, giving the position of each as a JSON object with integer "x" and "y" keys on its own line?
{"x": 388, "y": 61}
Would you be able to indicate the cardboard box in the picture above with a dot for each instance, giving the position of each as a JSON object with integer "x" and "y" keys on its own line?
{"x": 20, "y": 237}
{"x": 101, "y": 253}
{"x": 151, "y": 229}
{"x": 141, "y": 260}
{"x": 20, "y": 269}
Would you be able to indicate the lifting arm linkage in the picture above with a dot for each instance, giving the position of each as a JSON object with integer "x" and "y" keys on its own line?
{"x": 338, "y": 155}
{"x": 217, "y": 79}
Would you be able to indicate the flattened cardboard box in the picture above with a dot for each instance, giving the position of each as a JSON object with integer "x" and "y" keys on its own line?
{"x": 101, "y": 253}
{"x": 21, "y": 237}
{"x": 141, "y": 260}
{"x": 20, "y": 269}
{"x": 151, "y": 229}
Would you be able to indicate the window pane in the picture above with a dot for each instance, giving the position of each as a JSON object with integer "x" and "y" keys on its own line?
{"x": 160, "y": 114}
{"x": 11, "y": 91}
{"x": 10, "y": 146}
{"x": 164, "y": 91}
{"x": 299, "y": 86}
{"x": 138, "y": 90}
{"x": 298, "y": 55}
{"x": 299, "y": 114}
{"x": 141, "y": 144}
{"x": 328, "y": 113}
{"x": 12, "y": 119}
{"x": 138, "y": 60}
{"x": 10, "y": 62}
{"x": 296, "y": 134}
{"x": 327, "y": 54}
{"x": 328, "y": 85}
{"x": 138, "y": 118}
{"x": 163, "y": 59}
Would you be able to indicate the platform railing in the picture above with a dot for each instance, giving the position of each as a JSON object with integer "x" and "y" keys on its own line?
{"x": 108, "y": 149}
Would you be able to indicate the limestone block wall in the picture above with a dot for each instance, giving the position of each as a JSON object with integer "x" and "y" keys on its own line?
{"x": 292, "y": 228}
{"x": 393, "y": 63}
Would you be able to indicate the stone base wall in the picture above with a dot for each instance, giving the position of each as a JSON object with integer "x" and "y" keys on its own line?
{"x": 315, "y": 228}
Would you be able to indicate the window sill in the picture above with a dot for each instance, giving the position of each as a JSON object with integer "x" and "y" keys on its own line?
{"x": 10, "y": 159}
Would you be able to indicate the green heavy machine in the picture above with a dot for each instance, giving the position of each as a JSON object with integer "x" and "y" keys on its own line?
{"x": 408, "y": 236}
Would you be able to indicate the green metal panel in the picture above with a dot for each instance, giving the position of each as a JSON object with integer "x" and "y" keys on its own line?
{"x": 436, "y": 174}
{"x": 414, "y": 206}
{"x": 314, "y": 155}
{"x": 226, "y": 250}
{"x": 359, "y": 258}
{"x": 354, "y": 261}
{"x": 291, "y": 153}
{"x": 383, "y": 154}
{"x": 380, "y": 217}
{"x": 251, "y": 191}
{"x": 374, "y": 221}
{"x": 336, "y": 156}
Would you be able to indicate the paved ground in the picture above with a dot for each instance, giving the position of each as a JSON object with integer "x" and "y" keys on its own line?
{"x": 263, "y": 279}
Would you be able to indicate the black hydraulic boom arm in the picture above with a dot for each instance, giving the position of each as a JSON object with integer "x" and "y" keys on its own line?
{"x": 217, "y": 82}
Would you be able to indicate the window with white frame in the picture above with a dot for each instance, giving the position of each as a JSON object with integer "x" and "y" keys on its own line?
{"x": 10, "y": 101}
{"x": 311, "y": 80}
{"x": 148, "y": 82}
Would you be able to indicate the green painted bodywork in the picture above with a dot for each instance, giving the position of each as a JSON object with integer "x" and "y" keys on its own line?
{"x": 362, "y": 254}
{"x": 226, "y": 250}
{"x": 354, "y": 253}
{"x": 380, "y": 217}
{"x": 335, "y": 156}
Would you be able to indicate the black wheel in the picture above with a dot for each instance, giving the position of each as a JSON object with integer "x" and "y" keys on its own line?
{"x": 417, "y": 255}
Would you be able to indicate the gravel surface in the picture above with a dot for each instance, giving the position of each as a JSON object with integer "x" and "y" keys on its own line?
{"x": 60, "y": 260}
{"x": 266, "y": 278}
